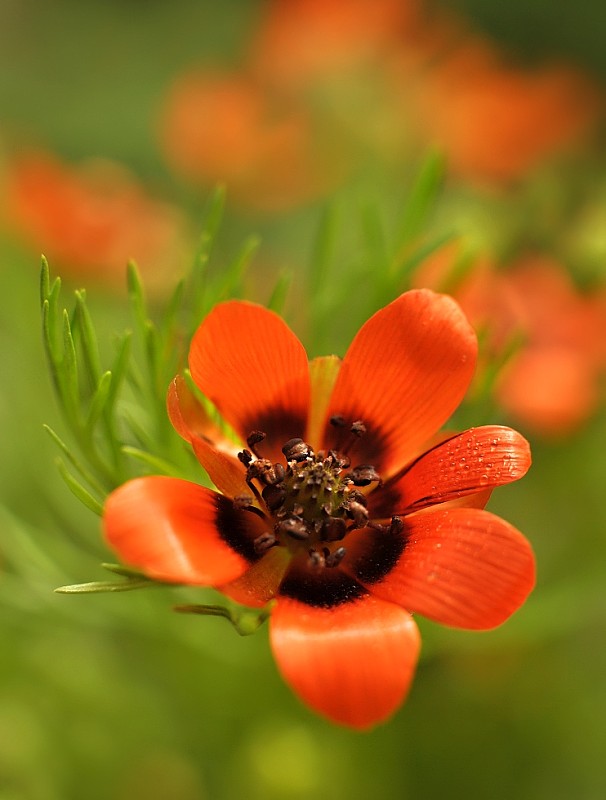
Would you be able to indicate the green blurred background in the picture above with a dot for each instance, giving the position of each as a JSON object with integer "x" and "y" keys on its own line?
{"x": 115, "y": 696}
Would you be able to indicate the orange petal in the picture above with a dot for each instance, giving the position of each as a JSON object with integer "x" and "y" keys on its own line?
{"x": 226, "y": 472}
{"x": 323, "y": 373}
{"x": 352, "y": 663}
{"x": 248, "y": 362}
{"x": 463, "y": 567}
{"x": 473, "y": 461}
{"x": 189, "y": 417}
{"x": 406, "y": 371}
{"x": 216, "y": 453}
{"x": 174, "y": 530}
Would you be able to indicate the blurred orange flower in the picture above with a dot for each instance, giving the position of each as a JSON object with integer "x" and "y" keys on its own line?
{"x": 552, "y": 382}
{"x": 90, "y": 218}
{"x": 301, "y": 40}
{"x": 496, "y": 121}
{"x": 229, "y": 128}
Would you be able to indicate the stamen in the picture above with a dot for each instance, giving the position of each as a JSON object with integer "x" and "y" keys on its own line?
{"x": 263, "y": 470}
{"x": 316, "y": 559}
{"x": 253, "y": 438}
{"x": 274, "y": 496}
{"x": 358, "y": 428}
{"x": 364, "y": 475}
{"x": 358, "y": 497}
{"x": 334, "y": 559}
{"x": 333, "y": 529}
{"x": 358, "y": 513}
{"x": 338, "y": 421}
{"x": 293, "y": 527}
{"x": 264, "y": 543}
{"x": 297, "y": 450}
{"x": 243, "y": 500}
{"x": 396, "y": 525}
{"x": 245, "y": 456}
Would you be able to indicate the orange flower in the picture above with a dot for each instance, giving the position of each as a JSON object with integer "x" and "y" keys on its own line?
{"x": 299, "y": 41}
{"x": 551, "y": 384}
{"x": 496, "y": 121}
{"x": 337, "y": 508}
{"x": 90, "y": 218}
{"x": 228, "y": 128}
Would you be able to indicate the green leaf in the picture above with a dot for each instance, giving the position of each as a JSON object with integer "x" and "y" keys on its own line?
{"x": 199, "y": 275}
{"x": 99, "y": 400}
{"x": 97, "y": 587}
{"x": 44, "y": 281}
{"x": 69, "y": 365}
{"x": 90, "y": 347}
{"x": 86, "y": 474}
{"x": 323, "y": 251}
{"x": 119, "y": 368}
{"x": 78, "y": 489}
{"x": 158, "y": 465}
{"x": 279, "y": 294}
{"x": 137, "y": 298}
{"x": 421, "y": 199}
{"x": 125, "y": 572}
{"x": 235, "y": 271}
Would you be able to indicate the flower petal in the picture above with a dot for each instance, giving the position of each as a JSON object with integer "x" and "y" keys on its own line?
{"x": 463, "y": 567}
{"x": 174, "y": 530}
{"x": 188, "y": 416}
{"x": 473, "y": 461}
{"x": 404, "y": 374}
{"x": 353, "y": 662}
{"x": 225, "y": 471}
{"x": 247, "y": 361}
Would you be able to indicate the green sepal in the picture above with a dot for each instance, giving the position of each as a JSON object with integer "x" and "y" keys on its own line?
{"x": 245, "y": 620}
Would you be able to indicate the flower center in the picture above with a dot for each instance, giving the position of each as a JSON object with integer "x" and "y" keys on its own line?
{"x": 312, "y": 502}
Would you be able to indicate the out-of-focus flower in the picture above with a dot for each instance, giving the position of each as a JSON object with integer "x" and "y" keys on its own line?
{"x": 497, "y": 121}
{"x": 262, "y": 144}
{"x": 345, "y": 506}
{"x": 301, "y": 41}
{"x": 91, "y": 218}
{"x": 551, "y": 384}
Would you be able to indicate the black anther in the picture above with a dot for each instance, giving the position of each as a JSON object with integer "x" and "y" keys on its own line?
{"x": 358, "y": 428}
{"x": 297, "y": 450}
{"x": 334, "y": 559}
{"x": 364, "y": 475}
{"x": 333, "y": 529}
{"x": 264, "y": 543}
{"x": 293, "y": 527}
{"x": 273, "y": 496}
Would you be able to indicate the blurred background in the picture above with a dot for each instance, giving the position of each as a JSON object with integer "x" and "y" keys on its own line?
{"x": 365, "y": 146}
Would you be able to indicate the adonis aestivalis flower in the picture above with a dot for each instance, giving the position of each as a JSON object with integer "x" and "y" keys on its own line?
{"x": 343, "y": 502}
